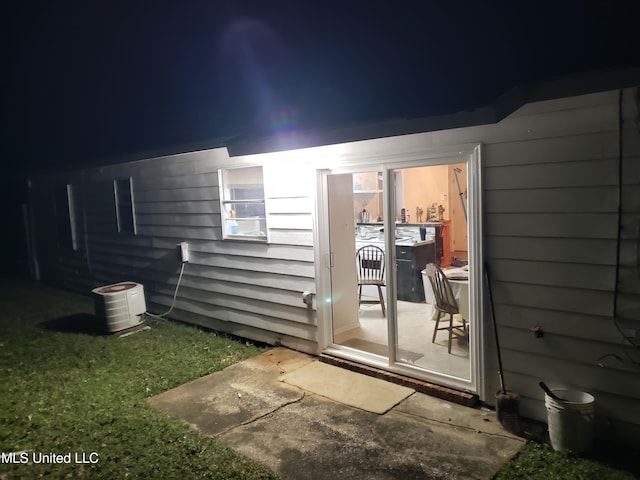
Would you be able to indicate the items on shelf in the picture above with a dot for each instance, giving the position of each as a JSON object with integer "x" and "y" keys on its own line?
{"x": 405, "y": 217}
{"x": 233, "y": 224}
{"x": 433, "y": 213}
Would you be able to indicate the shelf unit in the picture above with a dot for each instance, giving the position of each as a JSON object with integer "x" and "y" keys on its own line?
{"x": 367, "y": 194}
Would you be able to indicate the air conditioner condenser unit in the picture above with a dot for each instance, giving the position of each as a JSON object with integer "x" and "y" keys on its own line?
{"x": 119, "y": 306}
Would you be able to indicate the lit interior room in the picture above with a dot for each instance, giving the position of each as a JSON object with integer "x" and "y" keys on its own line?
{"x": 431, "y": 228}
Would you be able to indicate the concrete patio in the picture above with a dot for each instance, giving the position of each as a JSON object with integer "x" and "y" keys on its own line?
{"x": 307, "y": 420}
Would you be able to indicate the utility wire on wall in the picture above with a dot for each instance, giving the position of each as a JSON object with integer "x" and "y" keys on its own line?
{"x": 173, "y": 302}
{"x": 619, "y": 236}
{"x": 629, "y": 341}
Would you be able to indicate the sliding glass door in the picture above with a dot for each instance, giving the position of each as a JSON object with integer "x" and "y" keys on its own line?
{"x": 385, "y": 225}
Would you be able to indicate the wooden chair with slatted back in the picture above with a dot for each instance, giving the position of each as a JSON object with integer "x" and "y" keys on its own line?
{"x": 445, "y": 304}
{"x": 370, "y": 264}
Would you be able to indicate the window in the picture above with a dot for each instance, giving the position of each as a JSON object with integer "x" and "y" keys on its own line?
{"x": 125, "y": 214}
{"x": 64, "y": 217}
{"x": 243, "y": 206}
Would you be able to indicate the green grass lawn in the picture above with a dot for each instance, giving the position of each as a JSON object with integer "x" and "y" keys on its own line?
{"x": 65, "y": 390}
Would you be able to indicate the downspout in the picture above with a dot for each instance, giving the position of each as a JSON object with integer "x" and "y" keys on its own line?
{"x": 30, "y": 233}
{"x": 636, "y": 97}
{"x": 85, "y": 234}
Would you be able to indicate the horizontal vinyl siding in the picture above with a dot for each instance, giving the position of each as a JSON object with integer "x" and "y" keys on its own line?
{"x": 284, "y": 319}
{"x": 549, "y": 249}
{"x": 233, "y": 285}
{"x": 197, "y": 194}
{"x": 583, "y": 120}
{"x": 576, "y": 226}
{"x": 290, "y": 203}
{"x": 556, "y": 274}
{"x": 628, "y": 298}
{"x": 555, "y": 322}
{"x": 177, "y": 182}
{"x": 562, "y": 299}
{"x": 244, "y": 330}
{"x": 551, "y": 232}
{"x": 553, "y": 175}
{"x": 176, "y": 207}
{"x": 579, "y": 199}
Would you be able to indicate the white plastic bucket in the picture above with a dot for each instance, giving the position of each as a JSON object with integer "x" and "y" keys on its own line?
{"x": 571, "y": 422}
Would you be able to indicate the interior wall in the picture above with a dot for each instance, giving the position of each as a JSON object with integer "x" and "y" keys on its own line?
{"x": 424, "y": 186}
{"x": 367, "y": 189}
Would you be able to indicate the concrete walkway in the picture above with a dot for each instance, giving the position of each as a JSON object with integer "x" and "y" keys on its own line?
{"x": 256, "y": 408}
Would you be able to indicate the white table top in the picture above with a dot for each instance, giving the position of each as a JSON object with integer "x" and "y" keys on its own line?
{"x": 454, "y": 274}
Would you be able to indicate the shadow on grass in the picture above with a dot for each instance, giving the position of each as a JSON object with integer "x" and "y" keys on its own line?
{"x": 616, "y": 456}
{"x": 84, "y": 323}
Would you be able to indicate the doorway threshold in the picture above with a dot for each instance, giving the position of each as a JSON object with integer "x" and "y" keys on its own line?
{"x": 446, "y": 393}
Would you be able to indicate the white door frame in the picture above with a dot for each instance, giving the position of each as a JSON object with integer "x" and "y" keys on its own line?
{"x": 471, "y": 154}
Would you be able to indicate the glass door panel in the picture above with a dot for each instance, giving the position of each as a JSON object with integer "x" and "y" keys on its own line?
{"x": 358, "y": 272}
{"x": 423, "y": 208}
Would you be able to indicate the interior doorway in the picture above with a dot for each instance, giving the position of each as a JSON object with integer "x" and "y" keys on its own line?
{"x": 405, "y": 214}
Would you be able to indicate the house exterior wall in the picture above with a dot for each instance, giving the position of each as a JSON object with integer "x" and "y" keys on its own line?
{"x": 550, "y": 223}
{"x": 249, "y": 289}
{"x": 550, "y": 180}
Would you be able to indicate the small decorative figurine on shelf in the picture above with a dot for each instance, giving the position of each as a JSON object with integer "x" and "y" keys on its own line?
{"x": 440, "y": 213}
{"x": 419, "y": 212}
{"x": 433, "y": 213}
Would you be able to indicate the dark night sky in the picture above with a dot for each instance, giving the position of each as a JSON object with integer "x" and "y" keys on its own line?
{"x": 88, "y": 81}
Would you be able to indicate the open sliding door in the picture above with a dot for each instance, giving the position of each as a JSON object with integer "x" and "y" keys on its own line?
{"x": 408, "y": 212}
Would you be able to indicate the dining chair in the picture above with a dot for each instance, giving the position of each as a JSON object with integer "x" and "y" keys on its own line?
{"x": 445, "y": 304}
{"x": 370, "y": 264}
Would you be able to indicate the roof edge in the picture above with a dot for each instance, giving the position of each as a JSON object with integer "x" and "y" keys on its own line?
{"x": 507, "y": 103}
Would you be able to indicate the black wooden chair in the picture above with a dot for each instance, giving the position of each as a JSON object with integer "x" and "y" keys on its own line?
{"x": 370, "y": 264}
{"x": 446, "y": 304}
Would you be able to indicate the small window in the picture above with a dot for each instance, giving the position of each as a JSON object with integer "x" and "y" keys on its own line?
{"x": 243, "y": 206}
{"x": 125, "y": 213}
{"x": 64, "y": 217}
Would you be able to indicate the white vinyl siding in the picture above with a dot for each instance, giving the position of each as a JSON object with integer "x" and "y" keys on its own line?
{"x": 551, "y": 223}
{"x": 250, "y": 289}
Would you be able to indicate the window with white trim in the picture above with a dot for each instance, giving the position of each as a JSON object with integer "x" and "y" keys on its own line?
{"x": 125, "y": 213}
{"x": 242, "y": 200}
